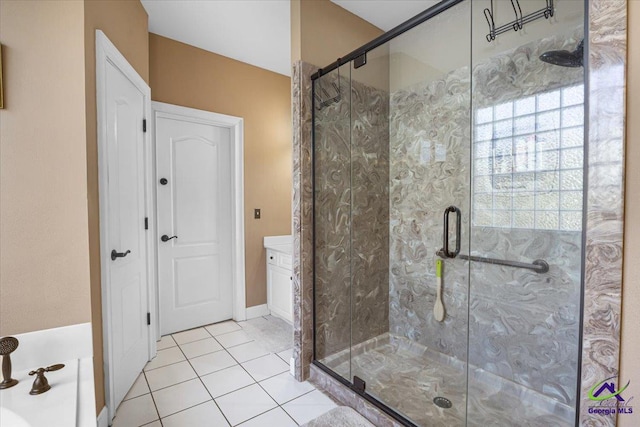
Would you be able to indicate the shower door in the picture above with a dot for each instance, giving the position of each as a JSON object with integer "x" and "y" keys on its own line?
{"x": 391, "y": 156}
{"x": 448, "y": 188}
{"x": 526, "y": 225}
{"x": 410, "y": 146}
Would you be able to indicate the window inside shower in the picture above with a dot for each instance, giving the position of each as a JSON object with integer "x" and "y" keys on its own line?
{"x": 528, "y": 162}
{"x": 446, "y": 149}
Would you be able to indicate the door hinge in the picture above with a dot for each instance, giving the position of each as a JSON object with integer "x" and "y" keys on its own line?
{"x": 146, "y": 223}
{"x": 359, "y": 385}
{"x": 144, "y": 125}
{"x": 148, "y": 319}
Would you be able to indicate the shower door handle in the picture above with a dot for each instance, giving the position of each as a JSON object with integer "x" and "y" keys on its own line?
{"x": 444, "y": 252}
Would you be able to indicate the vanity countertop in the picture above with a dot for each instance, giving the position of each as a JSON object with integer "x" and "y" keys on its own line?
{"x": 282, "y": 244}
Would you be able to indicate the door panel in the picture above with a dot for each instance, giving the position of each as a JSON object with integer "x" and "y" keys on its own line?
{"x": 195, "y": 190}
{"x": 199, "y": 271}
{"x": 127, "y": 275}
{"x": 195, "y": 278}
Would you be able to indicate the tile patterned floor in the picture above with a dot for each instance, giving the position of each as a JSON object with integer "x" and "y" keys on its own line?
{"x": 219, "y": 375}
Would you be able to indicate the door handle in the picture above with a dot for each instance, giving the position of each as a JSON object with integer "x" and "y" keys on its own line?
{"x": 444, "y": 252}
{"x": 115, "y": 254}
{"x": 166, "y": 238}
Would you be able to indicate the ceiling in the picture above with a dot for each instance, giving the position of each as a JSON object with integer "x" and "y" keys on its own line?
{"x": 385, "y": 14}
{"x": 257, "y": 32}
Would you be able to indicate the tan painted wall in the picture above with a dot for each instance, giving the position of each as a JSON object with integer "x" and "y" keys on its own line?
{"x": 44, "y": 279}
{"x": 184, "y": 75}
{"x": 321, "y": 31}
{"x": 126, "y": 24}
{"x": 630, "y": 357}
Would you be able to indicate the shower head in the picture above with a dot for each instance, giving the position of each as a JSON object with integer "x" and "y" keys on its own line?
{"x": 564, "y": 58}
{"x": 7, "y": 346}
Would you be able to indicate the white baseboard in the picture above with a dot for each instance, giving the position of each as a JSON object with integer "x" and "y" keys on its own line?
{"x": 257, "y": 311}
{"x": 103, "y": 417}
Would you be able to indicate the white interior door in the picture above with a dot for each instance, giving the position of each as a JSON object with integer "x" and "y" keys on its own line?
{"x": 126, "y": 246}
{"x": 194, "y": 213}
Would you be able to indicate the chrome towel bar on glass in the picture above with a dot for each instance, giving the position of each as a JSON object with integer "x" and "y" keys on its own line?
{"x": 539, "y": 265}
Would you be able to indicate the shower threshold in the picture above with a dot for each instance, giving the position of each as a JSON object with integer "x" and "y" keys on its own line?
{"x": 407, "y": 377}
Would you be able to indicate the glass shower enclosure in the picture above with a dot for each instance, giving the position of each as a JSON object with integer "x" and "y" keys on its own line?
{"x": 448, "y": 169}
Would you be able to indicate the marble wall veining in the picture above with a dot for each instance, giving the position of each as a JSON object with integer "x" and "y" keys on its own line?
{"x": 352, "y": 209}
{"x": 603, "y": 228}
{"x": 605, "y": 201}
{"x": 370, "y": 211}
{"x": 423, "y": 119}
{"x": 332, "y": 155}
{"x": 521, "y": 325}
{"x": 525, "y": 326}
{"x": 302, "y": 218}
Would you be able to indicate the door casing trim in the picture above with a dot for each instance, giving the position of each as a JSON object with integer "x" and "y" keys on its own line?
{"x": 106, "y": 52}
{"x": 236, "y": 127}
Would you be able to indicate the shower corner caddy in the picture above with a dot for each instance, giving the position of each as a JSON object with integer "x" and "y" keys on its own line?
{"x": 520, "y": 20}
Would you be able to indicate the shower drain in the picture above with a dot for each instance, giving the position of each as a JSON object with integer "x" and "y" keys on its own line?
{"x": 442, "y": 402}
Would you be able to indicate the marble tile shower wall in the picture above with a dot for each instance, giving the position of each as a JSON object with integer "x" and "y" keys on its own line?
{"x": 352, "y": 236}
{"x": 523, "y": 326}
{"x": 332, "y": 213}
{"x": 420, "y": 189}
{"x": 603, "y": 257}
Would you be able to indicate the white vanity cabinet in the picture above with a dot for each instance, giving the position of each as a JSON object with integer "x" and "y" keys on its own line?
{"x": 279, "y": 276}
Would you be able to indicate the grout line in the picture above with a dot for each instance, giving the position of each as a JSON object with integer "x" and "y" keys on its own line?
{"x": 267, "y": 378}
{"x": 189, "y": 342}
{"x": 256, "y": 416}
{"x": 168, "y": 364}
{"x": 153, "y": 399}
{"x": 170, "y": 346}
{"x": 205, "y": 354}
{"x": 140, "y": 395}
{"x": 282, "y": 358}
{"x": 199, "y": 377}
{"x": 205, "y": 387}
{"x": 186, "y": 409}
{"x": 249, "y": 360}
{"x": 303, "y": 394}
{"x": 179, "y": 382}
{"x": 289, "y": 415}
{"x": 167, "y": 348}
{"x": 243, "y": 387}
{"x": 237, "y": 345}
{"x": 226, "y": 333}
{"x": 261, "y": 388}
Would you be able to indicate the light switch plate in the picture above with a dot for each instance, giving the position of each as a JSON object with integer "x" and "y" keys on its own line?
{"x": 256, "y": 213}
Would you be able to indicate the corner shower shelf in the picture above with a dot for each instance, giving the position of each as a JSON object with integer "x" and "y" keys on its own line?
{"x": 520, "y": 20}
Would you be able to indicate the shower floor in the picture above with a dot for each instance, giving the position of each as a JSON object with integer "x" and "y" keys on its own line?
{"x": 407, "y": 377}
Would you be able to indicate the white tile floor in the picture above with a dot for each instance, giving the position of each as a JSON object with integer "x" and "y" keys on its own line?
{"x": 219, "y": 376}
